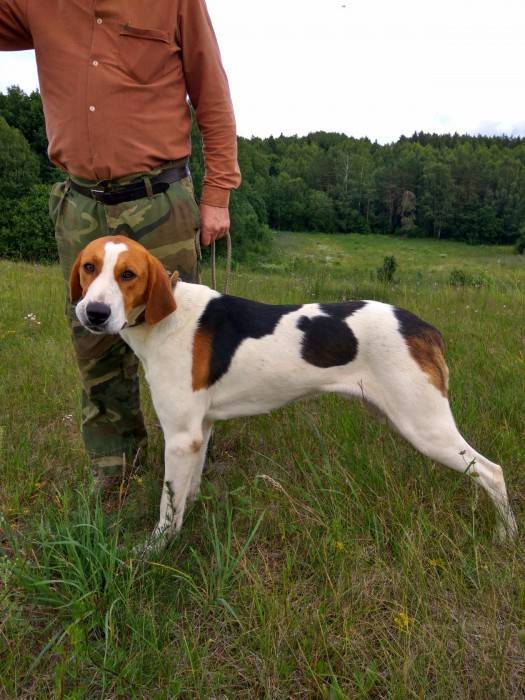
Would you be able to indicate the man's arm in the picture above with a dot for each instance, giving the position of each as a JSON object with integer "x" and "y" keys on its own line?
{"x": 209, "y": 93}
{"x": 14, "y": 30}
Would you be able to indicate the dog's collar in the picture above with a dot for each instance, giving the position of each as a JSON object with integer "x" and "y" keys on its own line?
{"x": 137, "y": 317}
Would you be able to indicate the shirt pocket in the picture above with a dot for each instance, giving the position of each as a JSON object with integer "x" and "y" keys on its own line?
{"x": 145, "y": 52}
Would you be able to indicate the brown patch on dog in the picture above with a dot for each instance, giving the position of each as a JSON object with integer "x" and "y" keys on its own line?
{"x": 159, "y": 298}
{"x": 426, "y": 346}
{"x": 200, "y": 371}
{"x": 427, "y": 351}
{"x": 75, "y": 288}
{"x": 80, "y": 279}
{"x": 195, "y": 446}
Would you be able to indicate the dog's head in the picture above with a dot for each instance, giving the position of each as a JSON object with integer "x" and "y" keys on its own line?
{"x": 112, "y": 277}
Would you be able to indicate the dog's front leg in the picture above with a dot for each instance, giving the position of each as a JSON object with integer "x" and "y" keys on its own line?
{"x": 197, "y": 473}
{"x": 182, "y": 459}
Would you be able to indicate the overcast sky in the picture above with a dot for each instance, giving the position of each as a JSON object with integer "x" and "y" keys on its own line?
{"x": 375, "y": 68}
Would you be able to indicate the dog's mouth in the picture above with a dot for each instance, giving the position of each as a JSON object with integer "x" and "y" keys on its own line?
{"x": 104, "y": 328}
{"x": 98, "y": 329}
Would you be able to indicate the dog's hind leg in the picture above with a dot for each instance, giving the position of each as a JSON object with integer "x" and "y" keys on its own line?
{"x": 421, "y": 413}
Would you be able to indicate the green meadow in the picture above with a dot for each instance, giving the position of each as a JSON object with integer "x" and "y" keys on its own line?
{"x": 324, "y": 558}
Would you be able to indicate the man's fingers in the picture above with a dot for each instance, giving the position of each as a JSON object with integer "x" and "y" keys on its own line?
{"x": 205, "y": 238}
{"x": 222, "y": 232}
{"x": 208, "y": 235}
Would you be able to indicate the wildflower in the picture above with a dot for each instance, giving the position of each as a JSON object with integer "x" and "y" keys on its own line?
{"x": 339, "y": 546}
{"x": 31, "y": 318}
{"x": 437, "y": 563}
{"x": 402, "y": 621}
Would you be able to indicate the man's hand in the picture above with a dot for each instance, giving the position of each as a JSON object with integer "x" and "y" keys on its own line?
{"x": 215, "y": 223}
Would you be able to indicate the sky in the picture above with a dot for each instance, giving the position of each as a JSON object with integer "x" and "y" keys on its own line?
{"x": 374, "y": 68}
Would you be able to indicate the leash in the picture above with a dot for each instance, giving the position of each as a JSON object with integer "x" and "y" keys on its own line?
{"x": 228, "y": 264}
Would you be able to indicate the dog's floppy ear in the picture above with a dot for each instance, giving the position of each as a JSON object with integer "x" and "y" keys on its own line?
{"x": 75, "y": 290}
{"x": 159, "y": 295}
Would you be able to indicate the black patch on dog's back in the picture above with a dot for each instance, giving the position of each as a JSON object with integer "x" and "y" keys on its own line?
{"x": 327, "y": 341}
{"x": 230, "y": 320}
{"x": 343, "y": 309}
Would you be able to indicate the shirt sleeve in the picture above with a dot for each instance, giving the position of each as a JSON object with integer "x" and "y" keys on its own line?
{"x": 14, "y": 30}
{"x": 209, "y": 93}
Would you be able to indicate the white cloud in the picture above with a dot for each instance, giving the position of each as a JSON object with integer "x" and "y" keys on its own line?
{"x": 375, "y": 68}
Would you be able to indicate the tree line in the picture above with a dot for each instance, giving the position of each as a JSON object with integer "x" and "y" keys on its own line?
{"x": 442, "y": 186}
{"x": 468, "y": 188}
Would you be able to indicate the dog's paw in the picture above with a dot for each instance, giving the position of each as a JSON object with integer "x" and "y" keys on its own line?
{"x": 155, "y": 544}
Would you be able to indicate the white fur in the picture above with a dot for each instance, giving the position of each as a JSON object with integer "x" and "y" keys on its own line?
{"x": 269, "y": 372}
{"x": 105, "y": 290}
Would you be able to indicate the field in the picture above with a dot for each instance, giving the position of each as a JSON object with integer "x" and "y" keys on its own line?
{"x": 325, "y": 558}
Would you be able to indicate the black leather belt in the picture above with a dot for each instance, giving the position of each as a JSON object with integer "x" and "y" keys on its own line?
{"x": 108, "y": 194}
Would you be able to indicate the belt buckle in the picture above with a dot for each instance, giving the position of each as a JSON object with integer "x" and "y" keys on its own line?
{"x": 95, "y": 192}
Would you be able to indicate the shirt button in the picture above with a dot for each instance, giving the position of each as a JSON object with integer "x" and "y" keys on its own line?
{"x": 99, "y": 20}
{"x": 95, "y": 63}
{"x": 91, "y": 108}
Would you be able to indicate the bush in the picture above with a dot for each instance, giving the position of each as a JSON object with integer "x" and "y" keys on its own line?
{"x": 26, "y": 231}
{"x": 386, "y": 272}
{"x": 460, "y": 278}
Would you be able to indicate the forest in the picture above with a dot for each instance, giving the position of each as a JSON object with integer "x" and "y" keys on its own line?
{"x": 456, "y": 187}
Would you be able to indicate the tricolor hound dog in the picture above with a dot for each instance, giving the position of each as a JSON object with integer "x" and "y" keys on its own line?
{"x": 209, "y": 357}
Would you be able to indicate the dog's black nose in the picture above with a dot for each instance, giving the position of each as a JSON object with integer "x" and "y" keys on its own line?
{"x": 97, "y": 313}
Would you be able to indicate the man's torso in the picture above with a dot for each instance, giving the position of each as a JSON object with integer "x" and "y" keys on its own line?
{"x": 112, "y": 83}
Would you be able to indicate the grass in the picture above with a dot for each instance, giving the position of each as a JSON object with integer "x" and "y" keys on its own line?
{"x": 324, "y": 559}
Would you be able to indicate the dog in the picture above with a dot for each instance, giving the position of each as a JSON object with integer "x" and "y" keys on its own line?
{"x": 209, "y": 357}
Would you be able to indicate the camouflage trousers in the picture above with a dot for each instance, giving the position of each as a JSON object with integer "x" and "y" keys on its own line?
{"x": 167, "y": 225}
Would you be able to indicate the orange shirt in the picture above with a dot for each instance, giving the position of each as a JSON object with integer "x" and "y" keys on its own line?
{"x": 114, "y": 77}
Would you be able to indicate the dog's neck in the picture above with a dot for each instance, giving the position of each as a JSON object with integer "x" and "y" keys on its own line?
{"x": 191, "y": 299}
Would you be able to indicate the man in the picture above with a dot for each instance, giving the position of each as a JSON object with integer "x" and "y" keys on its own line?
{"x": 114, "y": 77}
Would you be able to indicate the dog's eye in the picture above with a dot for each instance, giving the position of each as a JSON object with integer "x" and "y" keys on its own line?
{"x": 89, "y": 268}
{"x": 127, "y": 275}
